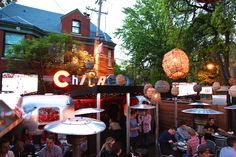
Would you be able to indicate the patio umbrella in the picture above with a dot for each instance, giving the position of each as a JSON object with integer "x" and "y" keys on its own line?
{"x": 143, "y": 107}
{"x": 76, "y": 129}
{"x": 232, "y": 107}
{"x": 76, "y": 126}
{"x": 198, "y": 104}
{"x": 87, "y": 111}
{"x": 203, "y": 111}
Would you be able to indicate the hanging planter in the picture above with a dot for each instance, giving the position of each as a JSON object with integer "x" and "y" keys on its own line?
{"x": 175, "y": 64}
{"x": 162, "y": 86}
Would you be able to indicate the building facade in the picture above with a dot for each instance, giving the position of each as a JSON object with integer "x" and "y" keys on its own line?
{"x": 18, "y": 22}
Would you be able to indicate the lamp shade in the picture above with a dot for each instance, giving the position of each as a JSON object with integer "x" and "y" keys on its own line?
{"x": 216, "y": 86}
{"x": 197, "y": 88}
{"x": 162, "y": 86}
{"x": 232, "y": 91}
{"x": 175, "y": 64}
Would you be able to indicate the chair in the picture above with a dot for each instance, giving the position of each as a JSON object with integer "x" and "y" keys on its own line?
{"x": 220, "y": 143}
{"x": 212, "y": 146}
{"x": 159, "y": 153}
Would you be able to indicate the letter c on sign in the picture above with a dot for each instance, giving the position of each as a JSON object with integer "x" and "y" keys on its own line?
{"x": 57, "y": 81}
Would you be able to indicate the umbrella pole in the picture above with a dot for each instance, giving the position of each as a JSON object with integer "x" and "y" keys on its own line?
{"x": 176, "y": 112}
{"x": 98, "y": 117}
{"x": 127, "y": 122}
{"x": 76, "y": 142}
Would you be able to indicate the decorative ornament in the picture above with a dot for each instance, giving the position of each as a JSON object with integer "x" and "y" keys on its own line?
{"x": 216, "y": 86}
{"x": 232, "y": 91}
{"x": 162, "y": 86}
{"x": 156, "y": 97}
{"x": 175, "y": 91}
{"x": 197, "y": 88}
{"x": 120, "y": 80}
{"x": 148, "y": 85}
{"x": 175, "y": 64}
{"x": 232, "y": 81}
{"x": 150, "y": 92}
{"x": 89, "y": 65}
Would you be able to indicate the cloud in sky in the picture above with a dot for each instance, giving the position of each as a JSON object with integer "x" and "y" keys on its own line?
{"x": 109, "y": 22}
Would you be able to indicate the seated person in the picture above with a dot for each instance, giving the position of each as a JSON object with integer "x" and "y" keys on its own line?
{"x": 230, "y": 150}
{"x": 182, "y": 133}
{"x": 203, "y": 151}
{"x": 193, "y": 143}
{"x": 211, "y": 128}
{"x": 50, "y": 149}
{"x": 167, "y": 140}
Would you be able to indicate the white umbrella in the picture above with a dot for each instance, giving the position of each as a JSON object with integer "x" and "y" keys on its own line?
{"x": 76, "y": 126}
{"x": 233, "y": 107}
{"x": 87, "y": 111}
{"x": 143, "y": 107}
{"x": 203, "y": 111}
{"x": 198, "y": 104}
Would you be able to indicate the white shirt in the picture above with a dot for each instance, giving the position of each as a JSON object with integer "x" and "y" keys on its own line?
{"x": 10, "y": 154}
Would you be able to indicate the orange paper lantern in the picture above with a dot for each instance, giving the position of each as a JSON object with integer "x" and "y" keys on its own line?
{"x": 175, "y": 64}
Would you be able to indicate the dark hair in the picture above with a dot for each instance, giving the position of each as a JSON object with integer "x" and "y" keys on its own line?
{"x": 2, "y": 141}
{"x": 231, "y": 140}
{"x": 133, "y": 112}
{"x": 116, "y": 147}
{"x": 182, "y": 123}
{"x": 211, "y": 118}
{"x": 202, "y": 148}
{"x": 173, "y": 128}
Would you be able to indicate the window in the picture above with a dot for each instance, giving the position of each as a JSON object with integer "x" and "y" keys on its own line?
{"x": 109, "y": 59}
{"x": 12, "y": 39}
{"x": 76, "y": 26}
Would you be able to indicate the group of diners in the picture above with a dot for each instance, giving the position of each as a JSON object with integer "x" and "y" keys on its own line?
{"x": 184, "y": 141}
{"x": 22, "y": 145}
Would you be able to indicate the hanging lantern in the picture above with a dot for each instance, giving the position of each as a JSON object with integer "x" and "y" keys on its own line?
{"x": 150, "y": 92}
{"x": 216, "y": 86}
{"x": 156, "y": 97}
{"x": 162, "y": 86}
{"x": 197, "y": 88}
{"x": 148, "y": 85}
{"x": 232, "y": 91}
{"x": 175, "y": 91}
{"x": 175, "y": 64}
{"x": 89, "y": 65}
{"x": 232, "y": 81}
{"x": 120, "y": 80}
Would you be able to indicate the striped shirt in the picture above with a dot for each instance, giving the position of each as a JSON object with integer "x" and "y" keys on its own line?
{"x": 192, "y": 144}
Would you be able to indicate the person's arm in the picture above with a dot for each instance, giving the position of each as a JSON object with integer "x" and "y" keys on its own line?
{"x": 221, "y": 130}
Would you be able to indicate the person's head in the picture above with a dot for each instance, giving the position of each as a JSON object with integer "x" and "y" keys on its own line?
{"x": 172, "y": 131}
{"x": 133, "y": 113}
{"x": 231, "y": 141}
{"x": 108, "y": 143}
{"x": 183, "y": 124}
{"x": 192, "y": 132}
{"x": 4, "y": 146}
{"x": 211, "y": 121}
{"x": 50, "y": 142}
{"x": 203, "y": 150}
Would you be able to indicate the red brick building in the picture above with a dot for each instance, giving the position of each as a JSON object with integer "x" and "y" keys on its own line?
{"x": 18, "y": 22}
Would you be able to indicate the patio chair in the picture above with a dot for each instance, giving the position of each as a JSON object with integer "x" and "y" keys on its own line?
{"x": 220, "y": 143}
{"x": 159, "y": 153}
{"x": 212, "y": 147}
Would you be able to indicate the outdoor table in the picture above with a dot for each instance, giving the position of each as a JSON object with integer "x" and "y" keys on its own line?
{"x": 182, "y": 146}
{"x": 217, "y": 135}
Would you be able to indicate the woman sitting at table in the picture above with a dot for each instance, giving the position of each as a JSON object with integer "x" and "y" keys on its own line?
{"x": 193, "y": 143}
{"x": 182, "y": 133}
{"x": 211, "y": 128}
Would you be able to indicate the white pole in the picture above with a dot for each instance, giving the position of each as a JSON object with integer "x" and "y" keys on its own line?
{"x": 98, "y": 117}
{"x": 127, "y": 122}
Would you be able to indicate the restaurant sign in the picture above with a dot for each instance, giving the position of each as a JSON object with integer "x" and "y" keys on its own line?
{"x": 63, "y": 79}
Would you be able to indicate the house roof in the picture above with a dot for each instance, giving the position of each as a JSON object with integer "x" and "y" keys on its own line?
{"x": 45, "y": 20}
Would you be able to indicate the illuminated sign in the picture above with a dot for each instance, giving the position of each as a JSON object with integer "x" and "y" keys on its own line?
{"x": 62, "y": 79}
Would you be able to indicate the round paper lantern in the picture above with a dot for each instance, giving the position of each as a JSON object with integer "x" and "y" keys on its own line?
{"x": 89, "y": 65}
{"x": 148, "y": 85}
{"x": 232, "y": 81}
{"x": 120, "y": 80}
{"x": 162, "y": 86}
{"x": 197, "y": 88}
{"x": 175, "y": 91}
{"x": 216, "y": 86}
{"x": 232, "y": 91}
{"x": 150, "y": 92}
{"x": 156, "y": 97}
{"x": 175, "y": 64}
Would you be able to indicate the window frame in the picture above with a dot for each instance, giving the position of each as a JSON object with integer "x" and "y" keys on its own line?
{"x": 76, "y": 27}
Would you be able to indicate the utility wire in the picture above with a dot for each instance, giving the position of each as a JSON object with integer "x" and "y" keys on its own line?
{"x": 55, "y": 1}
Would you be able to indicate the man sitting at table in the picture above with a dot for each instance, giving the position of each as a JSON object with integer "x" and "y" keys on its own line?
{"x": 230, "y": 150}
{"x": 167, "y": 141}
{"x": 211, "y": 128}
{"x": 182, "y": 133}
